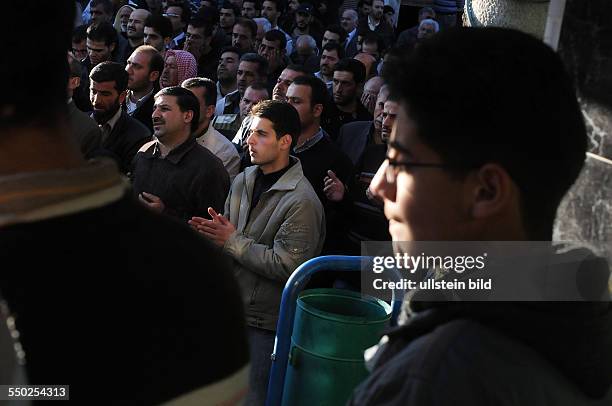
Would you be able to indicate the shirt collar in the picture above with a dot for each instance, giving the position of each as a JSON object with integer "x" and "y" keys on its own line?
{"x": 178, "y": 38}
{"x": 310, "y": 142}
{"x": 142, "y": 99}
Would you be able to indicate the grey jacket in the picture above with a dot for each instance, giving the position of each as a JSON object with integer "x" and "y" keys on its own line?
{"x": 286, "y": 228}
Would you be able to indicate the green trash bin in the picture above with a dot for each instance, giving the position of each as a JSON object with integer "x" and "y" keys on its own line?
{"x": 332, "y": 328}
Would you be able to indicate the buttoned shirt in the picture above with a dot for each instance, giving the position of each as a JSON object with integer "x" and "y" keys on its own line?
{"x": 132, "y": 106}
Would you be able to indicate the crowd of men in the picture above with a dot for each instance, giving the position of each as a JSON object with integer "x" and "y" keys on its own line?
{"x": 263, "y": 126}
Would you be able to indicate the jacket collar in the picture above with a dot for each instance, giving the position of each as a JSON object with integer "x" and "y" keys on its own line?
{"x": 287, "y": 182}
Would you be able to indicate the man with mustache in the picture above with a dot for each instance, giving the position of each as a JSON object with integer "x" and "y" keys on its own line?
{"x": 173, "y": 174}
{"x": 135, "y": 28}
{"x": 122, "y": 135}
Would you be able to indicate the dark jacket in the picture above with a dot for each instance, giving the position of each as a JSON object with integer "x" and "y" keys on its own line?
{"x": 85, "y": 130}
{"x": 353, "y": 138}
{"x": 384, "y": 30}
{"x": 493, "y": 353}
{"x": 189, "y": 180}
{"x": 144, "y": 112}
{"x": 124, "y": 141}
{"x": 351, "y": 47}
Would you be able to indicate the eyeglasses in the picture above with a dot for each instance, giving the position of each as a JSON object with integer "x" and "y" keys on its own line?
{"x": 393, "y": 167}
{"x": 171, "y": 15}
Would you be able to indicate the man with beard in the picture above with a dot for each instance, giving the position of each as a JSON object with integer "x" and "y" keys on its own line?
{"x": 226, "y": 74}
{"x": 198, "y": 42}
{"x": 158, "y": 33}
{"x": 243, "y": 35}
{"x": 135, "y": 28}
{"x": 174, "y": 174}
{"x": 144, "y": 67}
{"x": 305, "y": 23}
{"x": 250, "y": 9}
{"x": 122, "y": 135}
{"x": 227, "y": 18}
{"x": 331, "y": 55}
{"x": 252, "y": 69}
{"x": 375, "y": 22}
{"x": 349, "y": 76}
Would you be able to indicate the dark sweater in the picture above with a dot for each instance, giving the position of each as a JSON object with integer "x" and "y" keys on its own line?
{"x": 125, "y": 306}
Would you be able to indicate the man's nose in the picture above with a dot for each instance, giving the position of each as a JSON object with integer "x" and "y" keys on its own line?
{"x": 379, "y": 186}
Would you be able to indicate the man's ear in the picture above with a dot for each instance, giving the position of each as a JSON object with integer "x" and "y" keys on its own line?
{"x": 188, "y": 116}
{"x": 154, "y": 76}
{"x": 285, "y": 142}
{"x": 492, "y": 191}
{"x": 317, "y": 110}
{"x": 74, "y": 82}
{"x": 210, "y": 111}
{"x": 122, "y": 96}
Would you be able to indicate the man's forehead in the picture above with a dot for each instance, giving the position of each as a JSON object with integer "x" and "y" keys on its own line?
{"x": 343, "y": 75}
{"x": 195, "y": 30}
{"x": 330, "y": 35}
{"x": 248, "y": 66}
{"x": 165, "y": 99}
{"x": 140, "y": 57}
{"x": 229, "y": 55}
{"x": 268, "y": 43}
{"x": 139, "y": 14}
{"x": 174, "y": 10}
{"x": 262, "y": 124}
{"x": 95, "y": 44}
{"x": 104, "y": 86}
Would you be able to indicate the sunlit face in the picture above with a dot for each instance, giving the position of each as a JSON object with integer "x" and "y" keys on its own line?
{"x": 138, "y": 70}
{"x": 282, "y": 84}
{"x": 228, "y": 66}
{"x": 169, "y": 122}
{"x": 421, "y": 203}
{"x": 383, "y": 95}
{"x": 264, "y": 148}
{"x": 169, "y": 76}
{"x": 124, "y": 17}
{"x": 135, "y": 28}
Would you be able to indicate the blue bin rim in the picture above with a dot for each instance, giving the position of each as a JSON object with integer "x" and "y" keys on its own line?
{"x": 344, "y": 294}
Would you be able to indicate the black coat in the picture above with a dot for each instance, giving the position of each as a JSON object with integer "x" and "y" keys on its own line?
{"x": 124, "y": 141}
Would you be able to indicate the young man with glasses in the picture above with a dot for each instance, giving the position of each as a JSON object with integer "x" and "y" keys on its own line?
{"x": 497, "y": 176}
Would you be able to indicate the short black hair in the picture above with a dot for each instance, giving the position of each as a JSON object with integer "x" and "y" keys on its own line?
{"x": 262, "y": 63}
{"x": 18, "y": 86}
{"x": 354, "y": 66}
{"x": 108, "y": 72}
{"x": 276, "y": 35}
{"x": 210, "y": 95}
{"x": 362, "y": 2}
{"x": 335, "y": 47}
{"x": 299, "y": 68}
{"x": 249, "y": 25}
{"x": 257, "y": 3}
{"x": 337, "y": 29}
{"x": 102, "y": 32}
{"x": 371, "y": 38}
{"x": 230, "y": 6}
{"x": 185, "y": 100}
{"x": 230, "y": 49}
{"x": 529, "y": 120}
{"x": 319, "y": 93}
{"x": 280, "y": 5}
{"x": 200, "y": 22}
{"x": 185, "y": 10}
{"x": 107, "y": 5}
{"x": 162, "y": 25}
{"x": 284, "y": 117}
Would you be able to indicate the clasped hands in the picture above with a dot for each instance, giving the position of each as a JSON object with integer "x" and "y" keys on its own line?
{"x": 217, "y": 230}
